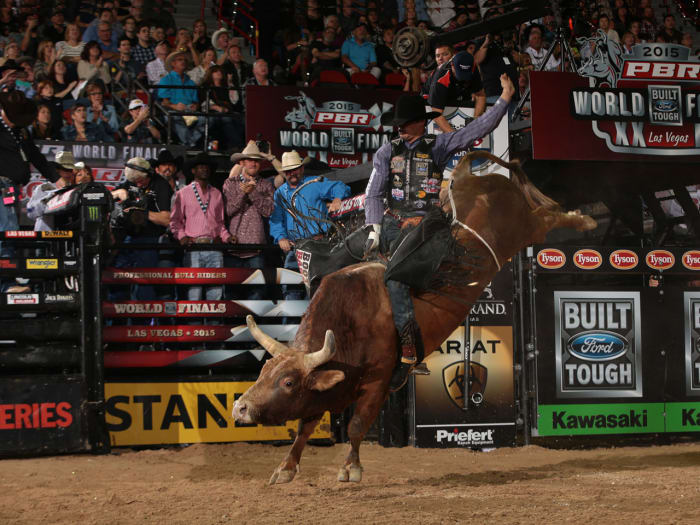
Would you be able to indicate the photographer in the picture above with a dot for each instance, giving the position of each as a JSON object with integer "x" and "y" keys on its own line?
{"x": 142, "y": 215}
{"x": 494, "y": 60}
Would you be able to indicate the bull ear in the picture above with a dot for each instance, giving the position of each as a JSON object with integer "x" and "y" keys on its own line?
{"x": 324, "y": 379}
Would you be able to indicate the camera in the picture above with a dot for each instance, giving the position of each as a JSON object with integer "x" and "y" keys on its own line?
{"x": 130, "y": 216}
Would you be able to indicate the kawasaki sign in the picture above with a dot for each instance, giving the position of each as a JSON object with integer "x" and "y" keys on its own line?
{"x": 618, "y": 418}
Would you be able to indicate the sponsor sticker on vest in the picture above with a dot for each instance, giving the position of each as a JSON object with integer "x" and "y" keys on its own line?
{"x": 551, "y": 258}
{"x": 397, "y": 194}
{"x": 691, "y": 259}
{"x": 398, "y": 164}
{"x": 588, "y": 259}
{"x": 660, "y": 260}
{"x": 624, "y": 259}
{"x": 598, "y": 344}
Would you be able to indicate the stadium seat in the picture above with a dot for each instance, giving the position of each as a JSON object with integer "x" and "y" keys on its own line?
{"x": 394, "y": 80}
{"x": 142, "y": 95}
{"x": 363, "y": 79}
{"x": 329, "y": 76}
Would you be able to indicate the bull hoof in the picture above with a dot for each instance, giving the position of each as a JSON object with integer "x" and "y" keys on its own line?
{"x": 343, "y": 474}
{"x": 351, "y": 473}
{"x": 282, "y": 476}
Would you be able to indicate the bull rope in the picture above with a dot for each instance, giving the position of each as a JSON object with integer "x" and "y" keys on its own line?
{"x": 457, "y": 222}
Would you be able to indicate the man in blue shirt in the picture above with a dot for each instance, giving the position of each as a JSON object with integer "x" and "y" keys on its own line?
{"x": 311, "y": 200}
{"x": 358, "y": 53}
{"x": 175, "y": 99}
{"x": 408, "y": 172}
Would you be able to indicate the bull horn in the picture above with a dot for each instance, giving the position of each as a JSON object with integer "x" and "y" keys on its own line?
{"x": 322, "y": 356}
{"x": 268, "y": 343}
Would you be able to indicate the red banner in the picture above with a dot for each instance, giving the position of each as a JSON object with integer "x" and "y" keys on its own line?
{"x": 183, "y": 276}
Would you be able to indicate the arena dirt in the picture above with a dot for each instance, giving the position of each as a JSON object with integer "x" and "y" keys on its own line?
{"x": 227, "y": 484}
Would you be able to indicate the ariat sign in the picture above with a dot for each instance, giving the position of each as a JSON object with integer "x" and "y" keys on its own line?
{"x": 465, "y": 438}
{"x": 597, "y": 344}
{"x": 624, "y": 260}
{"x": 551, "y": 258}
{"x": 660, "y": 260}
{"x": 691, "y": 317}
{"x": 588, "y": 259}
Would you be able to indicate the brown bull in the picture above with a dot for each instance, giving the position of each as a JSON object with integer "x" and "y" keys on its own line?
{"x": 345, "y": 348}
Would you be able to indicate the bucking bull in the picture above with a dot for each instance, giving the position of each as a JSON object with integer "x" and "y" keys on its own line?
{"x": 346, "y": 345}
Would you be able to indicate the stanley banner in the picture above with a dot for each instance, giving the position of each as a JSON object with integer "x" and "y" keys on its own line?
{"x": 487, "y": 419}
{"x": 187, "y": 412}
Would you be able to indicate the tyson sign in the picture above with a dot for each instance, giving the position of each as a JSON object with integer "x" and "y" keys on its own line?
{"x": 551, "y": 258}
{"x": 588, "y": 259}
{"x": 660, "y": 260}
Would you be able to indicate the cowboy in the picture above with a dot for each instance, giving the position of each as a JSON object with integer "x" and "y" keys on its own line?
{"x": 168, "y": 166}
{"x": 286, "y": 224}
{"x": 189, "y": 130}
{"x": 36, "y": 207}
{"x": 249, "y": 201}
{"x": 408, "y": 173}
{"x": 17, "y": 151}
{"x": 198, "y": 218}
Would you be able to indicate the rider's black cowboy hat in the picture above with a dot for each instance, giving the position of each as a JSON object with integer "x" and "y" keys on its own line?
{"x": 19, "y": 109}
{"x": 408, "y": 108}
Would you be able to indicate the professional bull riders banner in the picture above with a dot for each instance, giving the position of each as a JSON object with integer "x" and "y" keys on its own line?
{"x": 619, "y": 359}
{"x": 486, "y": 419}
{"x": 143, "y": 413}
{"x": 639, "y": 106}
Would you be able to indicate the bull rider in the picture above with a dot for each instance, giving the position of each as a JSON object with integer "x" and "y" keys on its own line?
{"x": 408, "y": 172}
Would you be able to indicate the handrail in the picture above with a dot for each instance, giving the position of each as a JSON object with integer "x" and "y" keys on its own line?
{"x": 231, "y": 22}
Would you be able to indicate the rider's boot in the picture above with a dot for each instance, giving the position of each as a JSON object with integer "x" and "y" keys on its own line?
{"x": 411, "y": 342}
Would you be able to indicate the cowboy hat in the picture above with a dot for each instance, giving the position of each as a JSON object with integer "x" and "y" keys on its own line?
{"x": 19, "y": 109}
{"x": 216, "y": 36}
{"x": 166, "y": 157}
{"x": 291, "y": 160}
{"x": 251, "y": 151}
{"x": 172, "y": 56}
{"x": 407, "y": 109}
{"x": 200, "y": 158}
{"x": 64, "y": 160}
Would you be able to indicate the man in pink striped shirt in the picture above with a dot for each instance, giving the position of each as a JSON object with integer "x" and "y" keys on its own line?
{"x": 197, "y": 217}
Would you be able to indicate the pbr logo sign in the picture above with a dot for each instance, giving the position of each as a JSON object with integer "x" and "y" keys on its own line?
{"x": 692, "y": 343}
{"x": 631, "y": 117}
{"x": 337, "y": 132}
{"x": 598, "y": 344}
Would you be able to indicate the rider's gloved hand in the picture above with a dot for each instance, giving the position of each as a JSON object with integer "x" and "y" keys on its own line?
{"x": 372, "y": 243}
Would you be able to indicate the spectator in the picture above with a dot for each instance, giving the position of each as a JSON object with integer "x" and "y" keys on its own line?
{"x": 62, "y": 81}
{"x": 259, "y": 78}
{"x": 98, "y": 112}
{"x": 130, "y": 30}
{"x": 168, "y": 167}
{"x": 199, "y": 36}
{"x": 108, "y": 45}
{"x": 443, "y": 54}
{"x": 124, "y": 69}
{"x": 55, "y": 30}
{"x": 143, "y": 51}
{"x": 668, "y": 32}
{"x": 71, "y": 48}
{"x": 224, "y": 127}
{"x": 538, "y": 52}
{"x": 25, "y": 76}
{"x": 155, "y": 69}
{"x": 46, "y": 57}
{"x": 92, "y": 65}
{"x": 374, "y": 29}
{"x": 140, "y": 179}
{"x": 83, "y": 173}
{"x": 30, "y": 37}
{"x": 198, "y": 218}
{"x": 457, "y": 83}
{"x": 139, "y": 127}
{"x": 492, "y": 64}
{"x": 311, "y": 200}
{"x": 237, "y": 70}
{"x": 627, "y": 43}
{"x": 604, "y": 25}
{"x": 106, "y": 16}
{"x": 175, "y": 99}
{"x": 687, "y": 41}
{"x": 81, "y": 129}
{"x": 136, "y": 11}
{"x": 325, "y": 54}
{"x": 523, "y": 85}
{"x": 333, "y": 22}
{"x": 621, "y": 20}
{"x": 43, "y": 127}
{"x": 296, "y": 39}
{"x": 183, "y": 42}
{"x": 358, "y": 54}
{"x": 45, "y": 96}
{"x": 347, "y": 19}
{"x": 385, "y": 55}
{"x": 314, "y": 19}
{"x": 648, "y": 31}
{"x": 249, "y": 201}
{"x": 636, "y": 29}
{"x": 207, "y": 60}
{"x": 11, "y": 52}
{"x": 220, "y": 41}
{"x": 157, "y": 32}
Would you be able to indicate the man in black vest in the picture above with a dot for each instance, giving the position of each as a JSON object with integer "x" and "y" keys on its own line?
{"x": 408, "y": 173}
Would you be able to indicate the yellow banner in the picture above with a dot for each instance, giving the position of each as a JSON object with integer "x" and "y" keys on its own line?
{"x": 42, "y": 264}
{"x": 197, "y": 412}
{"x": 57, "y": 234}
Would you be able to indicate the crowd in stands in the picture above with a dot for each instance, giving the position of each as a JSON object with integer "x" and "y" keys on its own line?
{"x": 89, "y": 63}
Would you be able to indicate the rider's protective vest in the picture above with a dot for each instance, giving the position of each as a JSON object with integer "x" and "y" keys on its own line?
{"x": 414, "y": 176}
